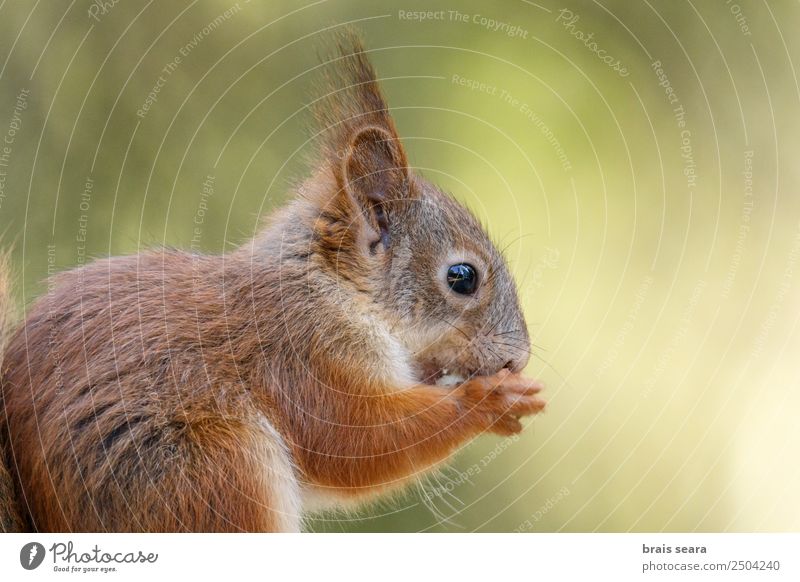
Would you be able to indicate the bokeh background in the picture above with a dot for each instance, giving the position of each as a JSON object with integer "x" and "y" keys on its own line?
{"x": 650, "y": 206}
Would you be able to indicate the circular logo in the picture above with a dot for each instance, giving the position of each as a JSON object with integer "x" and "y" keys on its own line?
{"x": 31, "y": 555}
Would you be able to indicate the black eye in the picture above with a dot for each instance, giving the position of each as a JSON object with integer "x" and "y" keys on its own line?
{"x": 462, "y": 278}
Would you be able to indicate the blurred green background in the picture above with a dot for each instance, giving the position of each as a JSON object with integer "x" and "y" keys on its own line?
{"x": 651, "y": 208}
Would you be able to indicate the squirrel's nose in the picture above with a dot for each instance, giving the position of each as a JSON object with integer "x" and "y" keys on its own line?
{"x": 516, "y": 365}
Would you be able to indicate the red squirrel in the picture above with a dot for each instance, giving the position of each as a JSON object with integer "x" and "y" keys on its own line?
{"x": 367, "y": 331}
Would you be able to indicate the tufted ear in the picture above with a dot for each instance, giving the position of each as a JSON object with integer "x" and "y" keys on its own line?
{"x": 358, "y": 143}
{"x": 374, "y": 173}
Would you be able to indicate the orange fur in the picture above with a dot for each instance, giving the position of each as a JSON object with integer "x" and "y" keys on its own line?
{"x": 176, "y": 392}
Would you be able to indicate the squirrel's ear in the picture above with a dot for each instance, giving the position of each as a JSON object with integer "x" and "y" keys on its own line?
{"x": 374, "y": 171}
{"x": 358, "y": 138}
{"x": 375, "y": 167}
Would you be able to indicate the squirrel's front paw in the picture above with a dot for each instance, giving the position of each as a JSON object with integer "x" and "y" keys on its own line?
{"x": 499, "y": 401}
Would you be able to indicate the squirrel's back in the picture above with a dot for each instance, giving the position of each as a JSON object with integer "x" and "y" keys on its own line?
{"x": 122, "y": 369}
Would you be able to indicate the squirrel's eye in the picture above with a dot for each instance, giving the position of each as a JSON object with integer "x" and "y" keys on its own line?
{"x": 462, "y": 278}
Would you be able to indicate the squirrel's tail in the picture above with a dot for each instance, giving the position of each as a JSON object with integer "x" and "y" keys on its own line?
{"x": 10, "y": 519}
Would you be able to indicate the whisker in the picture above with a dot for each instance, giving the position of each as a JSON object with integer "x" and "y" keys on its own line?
{"x": 545, "y": 362}
{"x": 433, "y": 508}
{"x": 519, "y": 238}
{"x": 520, "y": 348}
{"x": 494, "y": 351}
{"x": 455, "y": 327}
{"x": 508, "y": 332}
{"x": 494, "y": 326}
{"x": 556, "y": 372}
{"x": 443, "y": 490}
{"x": 448, "y": 480}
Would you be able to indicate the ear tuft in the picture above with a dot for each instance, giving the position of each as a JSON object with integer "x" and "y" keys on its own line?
{"x": 351, "y": 109}
{"x": 359, "y": 142}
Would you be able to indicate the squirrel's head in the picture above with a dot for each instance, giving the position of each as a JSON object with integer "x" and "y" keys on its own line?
{"x": 427, "y": 268}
